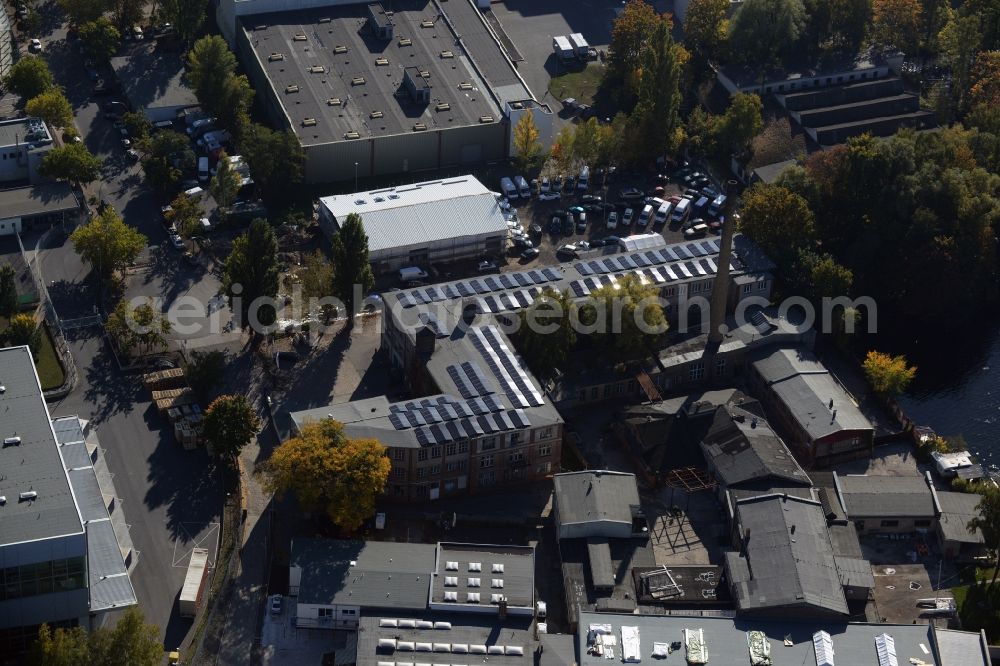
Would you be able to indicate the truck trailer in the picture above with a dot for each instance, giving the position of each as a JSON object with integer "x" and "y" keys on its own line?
{"x": 562, "y": 47}
{"x": 194, "y": 583}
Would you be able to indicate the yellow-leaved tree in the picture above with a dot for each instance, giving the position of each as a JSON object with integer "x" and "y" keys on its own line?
{"x": 888, "y": 375}
{"x": 330, "y": 472}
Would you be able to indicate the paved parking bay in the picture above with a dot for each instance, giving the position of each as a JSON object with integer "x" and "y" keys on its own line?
{"x": 284, "y": 644}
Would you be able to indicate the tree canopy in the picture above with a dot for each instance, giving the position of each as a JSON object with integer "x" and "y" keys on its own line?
{"x": 778, "y": 220}
{"x": 630, "y": 34}
{"x": 186, "y": 16}
{"x": 352, "y": 272}
{"x": 655, "y": 113}
{"x": 706, "y": 27}
{"x": 527, "y": 147}
{"x": 29, "y": 77}
{"x": 169, "y": 156}
{"x": 8, "y": 291}
{"x": 72, "y": 162}
{"x": 52, "y": 107}
{"x": 546, "y": 334}
{"x": 100, "y": 38}
{"x": 230, "y": 424}
{"x": 627, "y": 317}
{"x": 23, "y": 330}
{"x": 987, "y": 522}
{"x": 276, "y": 161}
{"x": 131, "y": 642}
{"x": 896, "y": 24}
{"x": 107, "y": 243}
{"x": 763, "y": 30}
{"x": 250, "y": 278}
{"x": 330, "y": 472}
{"x": 888, "y": 375}
{"x": 210, "y": 65}
{"x": 225, "y": 184}
{"x": 141, "y": 328}
{"x": 185, "y": 213}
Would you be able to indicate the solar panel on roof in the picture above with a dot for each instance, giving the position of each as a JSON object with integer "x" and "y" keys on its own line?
{"x": 716, "y": 245}
{"x": 475, "y": 373}
{"x": 441, "y": 434}
{"x": 711, "y": 265}
{"x": 707, "y": 246}
{"x": 654, "y": 257}
{"x": 493, "y": 303}
{"x": 697, "y": 268}
{"x": 552, "y": 274}
{"x": 421, "y": 436}
{"x": 507, "y": 281}
{"x": 462, "y": 408}
{"x": 681, "y": 269}
{"x": 493, "y": 402}
{"x": 405, "y": 300}
{"x": 682, "y": 252}
{"x": 522, "y": 297}
{"x": 433, "y": 294}
{"x": 416, "y": 417}
{"x": 508, "y": 301}
{"x": 519, "y": 417}
{"x": 463, "y": 288}
{"x": 503, "y": 419}
{"x": 479, "y": 287}
{"x": 448, "y": 411}
{"x": 521, "y": 279}
{"x": 461, "y": 381}
{"x": 583, "y": 268}
{"x": 695, "y": 249}
{"x": 493, "y": 283}
{"x": 487, "y": 423}
{"x": 453, "y": 431}
{"x": 608, "y": 266}
{"x": 579, "y": 288}
{"x": 472, "y": 425}
{"x": 885, "y": 648}
{"x": 418, "y": 296}
{"x": 478, "y": 406}
{"x": 641, "y": 260}
{"x": 537, "y": 277}
{"x": 396, "y": 422}
{"x": 627, "y": 261}
{"x": 450, "y": 291}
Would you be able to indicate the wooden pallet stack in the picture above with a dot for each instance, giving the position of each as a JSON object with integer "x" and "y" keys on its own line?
{"x": 163, "y": 380}
{"x": 175, "y": 400}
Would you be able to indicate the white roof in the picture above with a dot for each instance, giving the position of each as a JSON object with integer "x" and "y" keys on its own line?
{"x": 642, "y": 242}
{"x": 421, "y": 213}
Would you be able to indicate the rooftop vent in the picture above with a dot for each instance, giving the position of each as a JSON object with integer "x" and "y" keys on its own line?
{"x": 486, "y": 119}
{"x": 375, "y": 114}
{"x": 340, "y": 48}
{"x": 334, "y": 101}
{"x": 427, "y": 24}
{"x": 291, "y": 88}
{"x": 425, "y": 73}
{"x": 420, "y": 127}
{"x": 352, "y": 135}
{"x": 27, "y": 496}
{"x": 300, "y": 38}
{"x": 262, "y": 26}
{"x": 308, "y": 122}
{"x": 465, "y": 85}
{"x": 517, "y": 105}
{"x": 12, "y": 441}
{"x": 447, "y": 54}
{"x": 358, "y": 81}
{"x": 3, "y": 500}
{"x": 396, "y": 196}
{"x": 381, "y": 62}
{"x": 405, "y": 41}
{"x": 442, "y": 106}
{"x": 276, "y": 56}
{"x": 325, "y": 19}
{"x": 317, "y": 69}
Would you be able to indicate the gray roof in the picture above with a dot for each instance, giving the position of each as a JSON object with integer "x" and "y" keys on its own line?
{"x": 871, "y": 496}
{"x": 769, "y": 173}
{"x": 790, "y": 556}
{"x": 743, "y": 448}
{"x": 384, "y": 574}
{"x": 464, "y": 630}
{"x": 17, "y": 131}
{"x": 395, "y": 218}
{"x": 153, "y": 77}
{"x": 855, "y": 572}
{"x": 726, "y": 639}
{"x": 599, "y": 555}
{"x": 512, "y": 566}
{"x": 960, "y": 648}
{"x": 626, "y": 556}
{"x": 957, "y": 509}
{"x": 382, "y": 89}
{"x": 807, "y": 389}
{"x": 37, "y": 200}
{"x": 34, "y": 464}
{"x": 591, "y": 496}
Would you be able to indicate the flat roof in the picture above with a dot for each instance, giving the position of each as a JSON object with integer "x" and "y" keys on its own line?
{"x": 19, "y": 131}
{"x": 33, "y": 464}
{"x": 595, "y": 496}
{"x": 681, "y": 584}
{"x": 486, "y": 570}
{"x": 875, "y": 496}
{"x": 152, "y": 75}
{"x": 578, "y": 583}
{"x": 957, "y": 509}
{"x": 444, "y": 639}
{"x": 421, "y": 214}
{"x": 326, "y": 30}
{"x": 38, "y": 200}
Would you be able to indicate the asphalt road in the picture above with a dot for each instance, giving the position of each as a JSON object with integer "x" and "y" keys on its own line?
{"x": 171, "y": 497}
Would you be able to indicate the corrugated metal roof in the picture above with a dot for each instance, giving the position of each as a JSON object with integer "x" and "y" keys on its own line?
{"x": 583, "y": 497}
{"x": 421, "y": 213}
{"x": 110, "y": 586}
{"x": 638, "y": 242}
{"x": 957, "y": 509}
{"x": 961, "y": 648}
{"x": 875, "y": 496}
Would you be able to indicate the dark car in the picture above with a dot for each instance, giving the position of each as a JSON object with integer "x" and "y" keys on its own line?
{"x": 590, "y": 198}
{"x": 568, "y": 226}
{"x": 630, "y": 193}
{"x": 555, "y": 225}
{"x": 102, "y": 88}
{"x": 536, "y": 229}
{"x": 596, "y": 242}
{"x": 529, "y": 254}
{"x": 593, "y": 208}
{"x": 560, "y": 213}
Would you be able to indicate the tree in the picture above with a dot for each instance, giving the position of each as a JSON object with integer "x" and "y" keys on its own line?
{"x": 210, "y": 65}
{"x": 52, "y": 107}
{"x": 585, "y": 141}
{"x": 185, "y": 15}
{"x": 132, "y": 642}
{"x": 204, "y": 372}
{"x": 225, "y": 183}
{"x": 527, "y": 147}
{"x": 169, "y": 156}
{"x": 778, "y": 220}
{"x": 107, "y": 243}
{"x": 8, "y": 291}
{"x": 351, "y": 268}
{"x": 275, "y": 160}
{"x": 829, "y": 279}
{"x": 29, "y": 77}
{"x": 330, "y": 472}
{"x": 100, "y": 38}
{"x": 141, "y": 328}
{"x": 84, "y": 11}
{"x": 546, "y": 334}
{"x": 896, "y": 24}
{"x": 741, "y": 122}
{"x": 139, "y": 128}
{"x": 986, "y": 80}
{"x": 185, "y": 213}
{"x": 250, "y": 278}
{"x": 127, "y": 13}
{"x": 317, "y": 281}
{"x": 234, "y": 106}
{"x": 627, "y": 317}
{"x": 72, "y": 162}
{"x": 23, "y": 330}
{"x": 230, "y": 423}
{"x": 762, "y": 30}
{"x": 659, "y": 94}
{"x": 629, "y": 35}
{"x": 888, "y": 375}
{"x": 706, "y": 26}
{"x": 959, "y": 41}
{"x": 61, "y": 647}
{"x": 848, "y": 22}
{"x": 987, "y": 522}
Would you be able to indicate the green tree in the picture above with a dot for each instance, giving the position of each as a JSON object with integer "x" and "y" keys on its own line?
{"x": 829, "y": 279}
{"x": 959, "y": 41}
{"x": 275, "y": 160}
{"x": 317, "y": 281}
{"x": 127, "y": 13}
{"x": 100, "y": 38}
{"x": 351, "y": 268}
{"x": 61, "y": 647}
{"x": 204, "y": 372}
{"x": 169, "y": 157}
{"x": 52, "y": 107}
{"x": 210, "y": 65}
{"x": 762, "y": 31}
{"x": 234, "y": 106}
{"x": 139, "y": 128}
{"x": 131, "y": 642}
{"x": 706, "y": 27}
{"x": 29, "y": 77}
{"x": 629, "y": 35}
{"x": 627, "y": 317}
{"x": 888, "y": 376}
{"x": 23, "y": 330}
{"x": 896, "y": 24}
{"x": 659, "y": 94}
{"x": 330, "y": 472}
{"x": 546, "y": 334}
{"x": 585, "y": 141}
{"x": 84, "y": 11}
{"x": 141, "y": 329}
{"x": 107, "y": 243}
{"x": 72, "y": 162}
{"x": 186, "y": 16}
{"x": 185, "y": 213}
{"x": 8, "y": 291}
{"x": 778, "y": 220}
{"x": 987, "y": 522}
{"x": 527, "y": 147}
{"x": 849, "y": 20}
{"x": 230, "y": 424}
{"x": 250, "y": 278}
{"x": 742, "y": 122}
{"x": 225, "y": 183}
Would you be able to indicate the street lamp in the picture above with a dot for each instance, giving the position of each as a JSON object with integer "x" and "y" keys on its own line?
{"x": 355, "y": 176}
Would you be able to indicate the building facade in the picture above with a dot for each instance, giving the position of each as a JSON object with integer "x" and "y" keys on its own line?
{"x": 23, "y": 144}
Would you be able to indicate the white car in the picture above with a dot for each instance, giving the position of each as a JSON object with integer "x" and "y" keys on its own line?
{"x": 275, "y": 604}
{"x": 35, "y": 46}
{"x": 627, "y": 218}
{"x": 177, "y": 241}
{"x": 612, "y": 220}
{"x": 545, "y": 186}
{"x": 549, "y": 196}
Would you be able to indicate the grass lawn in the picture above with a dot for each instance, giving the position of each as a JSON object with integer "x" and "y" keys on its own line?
{"x": 50, "y": 370}
{"x": 581, "y": 85}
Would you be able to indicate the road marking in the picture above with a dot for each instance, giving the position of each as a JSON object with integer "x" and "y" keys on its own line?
{"x": 180, "y": 560}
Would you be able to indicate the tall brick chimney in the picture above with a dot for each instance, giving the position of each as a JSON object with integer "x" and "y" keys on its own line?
{"x": 720, "y": 288}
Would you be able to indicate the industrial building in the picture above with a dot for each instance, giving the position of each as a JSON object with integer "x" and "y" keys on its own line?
{"x": 65, "y": 551}
{"x": 23, "y": 144}
{"x": 426, "y": 223}
{"x": 22, "y": 207}
{"x": 372, "y": 90}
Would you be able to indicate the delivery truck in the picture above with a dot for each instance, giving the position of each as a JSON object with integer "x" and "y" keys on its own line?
{"x": 194, "y": 583}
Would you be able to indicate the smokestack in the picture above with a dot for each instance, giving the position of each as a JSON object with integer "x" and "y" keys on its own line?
{"x": 502, "y": 608}
{"x": 720, "y": 289}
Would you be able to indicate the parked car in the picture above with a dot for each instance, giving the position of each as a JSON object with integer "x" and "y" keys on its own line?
{"x": 612, "y": 220}
{"x": 35, "y": 46}
{"x": 597, "y": 242}
{"x": 555, "y": 225}
{"x": 567, "y": 250}
{"x": 593, "y": 208}
{"x": 530, "y": 254}
{"x": 627, "y": 217}
{"x": 486, "y": 266}
{"x": 523, "y": 242}
{"x": 544, "y": 186}
{"x": 275, "y": 604}
{"x": 549, "y": 196}
{"x": 177, "y": 241}
{"x": 590, "y": 198}
{"x": 581, "y": 222}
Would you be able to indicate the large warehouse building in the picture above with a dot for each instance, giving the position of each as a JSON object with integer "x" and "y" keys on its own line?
{"x": 374, "y": 91}
{"x": 423, "y": 223}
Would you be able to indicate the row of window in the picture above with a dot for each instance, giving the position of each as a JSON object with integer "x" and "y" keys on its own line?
{"x": 817, "y": 82}
{"x": 515, "y": 457}
{"x": 486, "y": 444}
{"x": 42, "y": 578}
{"x": 749, "y": 286}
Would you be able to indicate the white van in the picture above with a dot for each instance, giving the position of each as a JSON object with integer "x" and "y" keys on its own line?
{"x": 509, "y": 191}
{"x": 717, "y": 205}
{"x": 697, "y": 231}
{"x": 523, "y": 189}
{"x": 203, "y": 169}
{"x": 583, "y": 182}
{"x": 195, "y": 193}
{"x": 647, "y": 212}
{"x": 682, "y": 210}
{"x": 661, "y": 213}
{"x": 411, "y": 273}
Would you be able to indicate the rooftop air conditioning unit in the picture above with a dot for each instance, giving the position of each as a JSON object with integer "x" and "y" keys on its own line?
{"x": 300, "y": 38}
{"x": 420, "y": 127}
{"x": 340, "y": 49}
{"x": 262, "y": 26}
{"x": 427, "y": 24}
{"x": 333, "y": 101}
{"x": 358, "y": 81}
{"x": 317, "y": 69}
{"x": 325, "y": 19}
{"x": 443, "y": 106}
{"x": 465, "y": 85}
{"x": 291, "y": 88}
{"x": 447, "y": 54}
{"x": 27, "y": 496}
{"x": 308, "y": 122}
{"x": 276, "y": 56}
{"x": 12, "y": 441}
{"x": 375, "y": 114}
{"x": 486, "y": 119}
{"x": 352, "y": 135}
{"x": 405, "y": 41}
{"x": 381, "y": 62}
